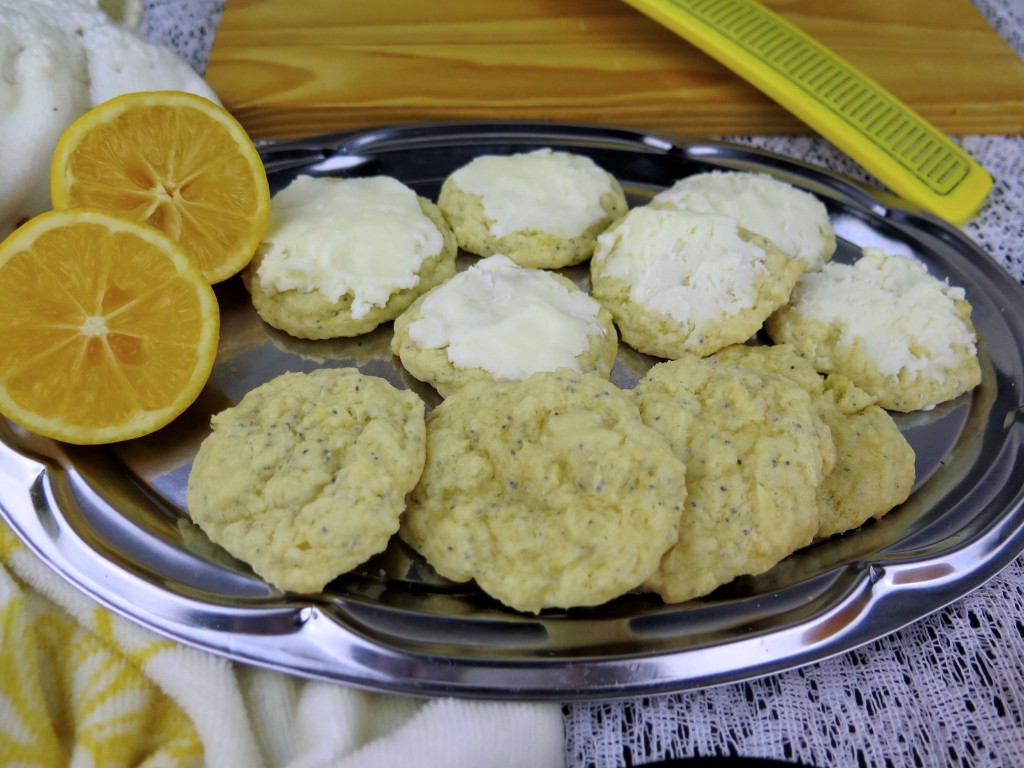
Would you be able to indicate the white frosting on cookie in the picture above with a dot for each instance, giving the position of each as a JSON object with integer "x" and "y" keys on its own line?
{"x": 363, "y": 237}
{"x": 694, "y": 268}
{"x": 794, "y": 221}
{"x": 543, "y": 190}
{"x": 509, "y": 320}
{"x": 904, "y": 318}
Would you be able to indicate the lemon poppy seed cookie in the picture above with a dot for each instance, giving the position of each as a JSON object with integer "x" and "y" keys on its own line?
{"x": 497, "y": 320}
{"x": 755, "y": 452}
{"x": 874, "y": 467}
{"x": 680, "y": 283}
{"x": 342, "y": 256}
{"x": 306, "y": 477}
{"x": 542, "y": 209}
{"x": 549, "y": 492}
{"x": 897, "y": 332}
{"x": 794, "y": 221}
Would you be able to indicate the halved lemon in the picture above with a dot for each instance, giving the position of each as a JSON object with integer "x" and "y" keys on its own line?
{"x": 176, "y": 161}
{"x": 110, "y": 330}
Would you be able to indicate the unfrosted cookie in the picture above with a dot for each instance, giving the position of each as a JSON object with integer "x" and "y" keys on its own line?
{"x": 549, "y": 492}
{"x": 755, "y": 452}
{"x": 894, "y": 330}
{"x": 342, "y": 256}
{"x": 874, "y": 469}
{"x": 793, "y": 220}
{"x": 542, "y": 209}
{"x": 497, "y": 320}
{"x": 680, "y": 283}
{"x": 306, "y": 477}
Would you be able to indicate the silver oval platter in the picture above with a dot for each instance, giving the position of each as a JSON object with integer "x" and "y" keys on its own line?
{"x": 112, "y": 520}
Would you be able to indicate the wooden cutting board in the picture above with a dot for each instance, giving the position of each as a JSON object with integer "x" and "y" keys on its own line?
{"x": 289, "y": 69}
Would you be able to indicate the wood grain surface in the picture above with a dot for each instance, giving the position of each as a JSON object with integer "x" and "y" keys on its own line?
{"x": 288, "y": 68}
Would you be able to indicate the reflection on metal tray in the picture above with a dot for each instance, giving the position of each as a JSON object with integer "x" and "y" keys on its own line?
{"x": 112, "y": 520}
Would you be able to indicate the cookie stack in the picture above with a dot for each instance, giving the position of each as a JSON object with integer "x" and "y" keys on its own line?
{"x": 536, "y": 477}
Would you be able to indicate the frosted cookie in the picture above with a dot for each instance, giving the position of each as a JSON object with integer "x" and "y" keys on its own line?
{"x": 755, "y": 452}
{"x": 497, "y": 320}
{"x": 894, "y": 330}
{"x": 542, "y": 209}
{"x": 342, "y": 256}
{"x": 794, "y": 221}
{"x": 549, "y": 492}
{"x": 306, "y": 477}
{"x": 874, "y": 468}
{"x": 685, "y": 283}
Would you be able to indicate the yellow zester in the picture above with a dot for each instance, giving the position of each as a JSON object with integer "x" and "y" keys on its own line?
{"x": 902, "y": 149}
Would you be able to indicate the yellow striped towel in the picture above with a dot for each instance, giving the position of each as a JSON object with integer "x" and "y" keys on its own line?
{"x": 81, "y": 686}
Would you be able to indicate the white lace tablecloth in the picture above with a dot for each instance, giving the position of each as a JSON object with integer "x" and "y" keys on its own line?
{"x": 947, "y": 690}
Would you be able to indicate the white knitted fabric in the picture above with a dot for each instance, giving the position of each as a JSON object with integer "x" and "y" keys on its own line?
{"x": 946, "y": 691}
